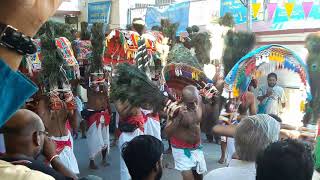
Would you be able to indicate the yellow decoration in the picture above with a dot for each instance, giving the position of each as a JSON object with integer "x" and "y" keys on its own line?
{"x": 289, "y": 8}
{"x": 256, "y": 7}
{"x": 235, "y": 92}
{"x": 271, "y": 56}
{"x": 302, "y": 106}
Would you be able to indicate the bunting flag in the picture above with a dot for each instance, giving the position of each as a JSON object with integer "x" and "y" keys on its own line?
{"x": 271, "y": 9}
{"x": 256, "y": 7}
{"x": 289, "y": 8}
{"x": 307, "y": 6}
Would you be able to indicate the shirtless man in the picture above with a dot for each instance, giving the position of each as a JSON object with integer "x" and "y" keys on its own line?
{"x": 56, "y": 123}
{"x": 97, "y": 116}
{"x": 131, "y": 124}
{"x": 247, "y": 100}
{"x": 184, "y": 133}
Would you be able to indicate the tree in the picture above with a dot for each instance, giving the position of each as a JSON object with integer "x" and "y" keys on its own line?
{"x": 169, "y": 30}
{"x": 201, "y": 43}
{"x": 313, "y": 62}
{"x": 238, "y": 44}
{"x": 227, "y": 20}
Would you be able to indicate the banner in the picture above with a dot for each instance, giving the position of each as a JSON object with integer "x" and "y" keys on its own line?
{"x": 255, "y": 8}
{"x": 289, "y": 8}
{"x": 307, "y": 6}
{"x": 271, "y": 9}
{"x": 236, "y": 8}
{"x": 176, "y": 13}
{"x": 99, "y": 12}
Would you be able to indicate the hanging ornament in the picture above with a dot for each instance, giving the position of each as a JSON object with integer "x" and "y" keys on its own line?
{"x": 307, "y": 6}
{"x": 271, "y": 9}
{"x": 256, "y": 7}
{"x": 289, "y": 8}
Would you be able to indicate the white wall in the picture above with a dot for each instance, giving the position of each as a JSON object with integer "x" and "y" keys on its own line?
{"x": 71, "y": 5}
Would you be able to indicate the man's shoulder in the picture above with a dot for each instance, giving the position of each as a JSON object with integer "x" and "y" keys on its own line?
{"x": 17, "y": 172}
{"x": 263, "y": 87}
{"x": 221, "y": 173}
{"x": 35, "y": 165}
{"x": 230, "y": 173}
{"x": 279, "y": 88}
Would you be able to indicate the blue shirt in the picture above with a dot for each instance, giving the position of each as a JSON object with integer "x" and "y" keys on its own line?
{"x": 15, "y": 89}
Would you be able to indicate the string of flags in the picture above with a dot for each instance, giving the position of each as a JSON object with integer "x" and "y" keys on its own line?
{"x": 289, "y": 6}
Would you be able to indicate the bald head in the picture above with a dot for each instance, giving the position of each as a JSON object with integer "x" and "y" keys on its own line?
{"x": 23, "y": 122}
{"x": 190, "y": 93}
{"x": 21, "y": 134}
{"x": 190, "y": 96}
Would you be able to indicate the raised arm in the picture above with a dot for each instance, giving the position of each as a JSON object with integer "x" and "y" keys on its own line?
{"x": 27, "y": 16}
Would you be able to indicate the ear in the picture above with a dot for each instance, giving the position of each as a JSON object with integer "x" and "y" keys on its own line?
{"x": 158, "y": 165}
{"x": 36, "y": 138}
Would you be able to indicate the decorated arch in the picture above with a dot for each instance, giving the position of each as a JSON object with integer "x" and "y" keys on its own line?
{"x": 261, "y": 62}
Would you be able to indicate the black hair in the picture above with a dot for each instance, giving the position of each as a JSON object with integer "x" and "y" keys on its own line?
{"x": 141, "y": 155}
{"x": 276, "y": 117}
{"x": 242, "y": 109}
{"x": 287, "y": 159}
{"x": 273, "y": 75}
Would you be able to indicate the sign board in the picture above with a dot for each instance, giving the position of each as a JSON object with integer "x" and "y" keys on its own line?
{"x": 176, "y": 13}
{"x": 99, "y": 12}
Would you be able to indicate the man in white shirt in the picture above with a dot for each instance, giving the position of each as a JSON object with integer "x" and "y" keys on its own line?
{"x": 253, "y": 134}
{"x": 271, "y": 97}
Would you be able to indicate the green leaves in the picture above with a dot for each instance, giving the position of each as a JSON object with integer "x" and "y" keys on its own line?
{"x": 227, "y": 20}
{"x": 238, "y": 44}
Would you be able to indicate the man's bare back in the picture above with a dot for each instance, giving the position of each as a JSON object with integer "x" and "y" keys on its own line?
{"x": 55, "y": 121}
{"x": 97, "y": 100}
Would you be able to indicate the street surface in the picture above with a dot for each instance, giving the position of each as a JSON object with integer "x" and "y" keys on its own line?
{"x": 112, "y": 172}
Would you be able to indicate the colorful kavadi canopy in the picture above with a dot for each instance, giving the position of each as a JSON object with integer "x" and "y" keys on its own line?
{"x": 261, "y": 62}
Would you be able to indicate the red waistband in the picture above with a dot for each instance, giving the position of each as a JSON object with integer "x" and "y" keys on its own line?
{"x": 60, "y": 145}
{"x": 137, "y": 121}
{"x": 176, "y": 143}
{"x": 153, "y": 116}
{"x": 95, "y": 118}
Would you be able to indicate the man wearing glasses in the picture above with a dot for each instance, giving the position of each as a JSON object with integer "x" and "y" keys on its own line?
{"x": 26, "y": 139}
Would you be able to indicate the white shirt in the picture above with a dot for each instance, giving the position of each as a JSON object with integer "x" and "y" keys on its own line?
{"x": 237, "y": 170}
{"x": 273, "y": 102}
{"x": 316, "y": 175}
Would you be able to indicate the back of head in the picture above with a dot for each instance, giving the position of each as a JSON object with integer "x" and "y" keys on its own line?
{"x": 141, "y": 155}
{"x": 254, "y": 134}
{"x": 18, "y": 131}
{"x": 288, "y": 159}
{"x": 190, "y": 92}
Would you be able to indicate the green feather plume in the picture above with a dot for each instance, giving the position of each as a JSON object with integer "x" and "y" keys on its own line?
{"x": 133, "y": 85}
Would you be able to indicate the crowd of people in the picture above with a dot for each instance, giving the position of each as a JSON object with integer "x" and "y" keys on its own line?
{"x": 39, "y": 144}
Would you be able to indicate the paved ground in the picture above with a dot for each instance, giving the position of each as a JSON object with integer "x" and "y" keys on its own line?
{"x": 212, "y": 154}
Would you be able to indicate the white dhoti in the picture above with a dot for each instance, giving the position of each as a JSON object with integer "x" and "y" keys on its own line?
{"x": 189, "y": 159}
{"x": 65, "y": 151}
{"x": 230, "y": 149}
{"x": 152, "y": 127}
{"x": 98, "y": 139}
{"x": 126, "y": 137}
